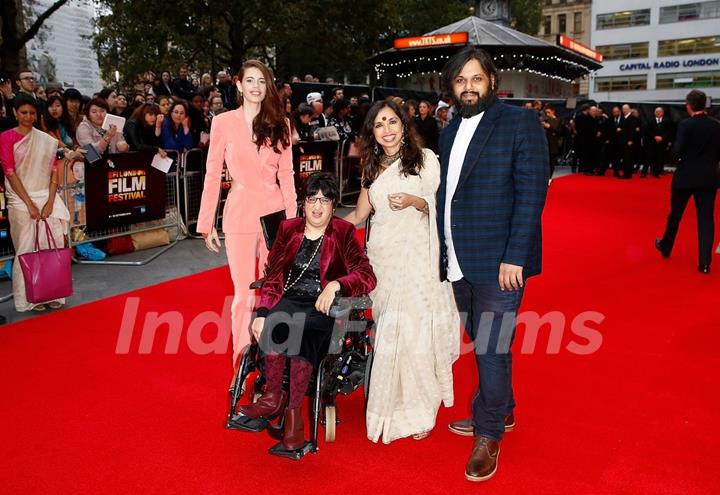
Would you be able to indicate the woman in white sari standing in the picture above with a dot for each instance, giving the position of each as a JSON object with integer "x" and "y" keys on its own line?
{"x": 31, "y": 181}
{"x": 417, "y": 325}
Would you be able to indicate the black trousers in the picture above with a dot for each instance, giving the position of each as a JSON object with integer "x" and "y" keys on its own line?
{"x": 705, "y": 207}
{"x": 655, "y": 160}
{"x": 629, "y": 157}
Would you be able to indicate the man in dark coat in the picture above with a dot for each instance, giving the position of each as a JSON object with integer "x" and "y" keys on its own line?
{"x": 630, "y": 134}
{"x": 658, "y": 140}
{"x": 493, "y": 182}
{"x": 553, "y": 132}
{"x": 697, "y": 144}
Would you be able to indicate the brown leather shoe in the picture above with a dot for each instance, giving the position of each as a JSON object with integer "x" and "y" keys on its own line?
{"x": 462, "y": 427}
{"x": 483, "y": 462}
{"x": 294, "y": 433}
{"x": 509, "y": 422}
{"x": 465, "y": 428}
{"x": 268, "y": 406}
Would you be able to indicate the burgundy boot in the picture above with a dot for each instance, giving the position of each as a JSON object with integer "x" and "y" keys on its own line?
{"x": 294, "y": 434}
{"x": 268, "y": 406}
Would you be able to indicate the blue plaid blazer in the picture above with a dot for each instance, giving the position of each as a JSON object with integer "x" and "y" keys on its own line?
{"x": 500, "y": 196}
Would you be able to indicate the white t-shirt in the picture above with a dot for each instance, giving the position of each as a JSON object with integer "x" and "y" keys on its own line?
{"x": 457, "y": 158}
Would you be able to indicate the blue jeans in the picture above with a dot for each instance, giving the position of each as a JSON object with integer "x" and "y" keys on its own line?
{"x": 489, "y": 317}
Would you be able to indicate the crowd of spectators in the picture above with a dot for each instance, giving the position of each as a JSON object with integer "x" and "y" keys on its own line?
{"x": 175, "y": 112}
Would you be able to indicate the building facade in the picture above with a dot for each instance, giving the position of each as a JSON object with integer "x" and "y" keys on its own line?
{"x": 62, "y": 53}
{"x": 655, "y": 50}
{"x": 570, "y": 18}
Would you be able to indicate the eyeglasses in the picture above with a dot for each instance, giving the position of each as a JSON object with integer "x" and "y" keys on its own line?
{"x": 311, "y": 200}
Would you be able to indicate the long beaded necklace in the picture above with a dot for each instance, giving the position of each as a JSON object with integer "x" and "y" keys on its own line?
{"x": 305, "y": 266}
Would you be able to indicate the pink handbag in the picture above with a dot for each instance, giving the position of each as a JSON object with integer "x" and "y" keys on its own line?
{"x": 46, "y": 271}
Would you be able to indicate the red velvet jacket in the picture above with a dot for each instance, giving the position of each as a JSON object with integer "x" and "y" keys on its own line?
{"x": 342, "y": 259}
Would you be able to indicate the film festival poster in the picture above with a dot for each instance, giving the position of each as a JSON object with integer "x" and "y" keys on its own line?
{"x": 309, "y": 158}
{"x": 123, "y": 189}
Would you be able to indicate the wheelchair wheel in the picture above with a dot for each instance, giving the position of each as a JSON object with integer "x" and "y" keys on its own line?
{"x": 330, "y": 423}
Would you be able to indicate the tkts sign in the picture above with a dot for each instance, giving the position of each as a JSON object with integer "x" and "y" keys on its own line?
{"x": 576, "y": 47}
{"x": 433, "y": 40}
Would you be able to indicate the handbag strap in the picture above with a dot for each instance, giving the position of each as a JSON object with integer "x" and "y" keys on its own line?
{"x": 50, "y": 239}
{"x": 37, "y": 237}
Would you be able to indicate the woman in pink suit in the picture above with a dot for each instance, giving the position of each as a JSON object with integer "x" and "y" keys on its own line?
{"x": 254, "y": 142}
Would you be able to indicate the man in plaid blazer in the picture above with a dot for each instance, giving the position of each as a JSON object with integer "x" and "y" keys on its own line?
{"x": 494, "y": 177}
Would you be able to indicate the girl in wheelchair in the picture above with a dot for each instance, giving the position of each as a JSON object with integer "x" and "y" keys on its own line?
{"x": 312, "y": 260}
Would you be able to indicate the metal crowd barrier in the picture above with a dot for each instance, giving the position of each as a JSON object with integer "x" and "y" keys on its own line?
{"x": 347, "y": 169}
{"x": 172, "y": 221}
{"x": 6, "y": 254}
{"x": 192, "y": 179}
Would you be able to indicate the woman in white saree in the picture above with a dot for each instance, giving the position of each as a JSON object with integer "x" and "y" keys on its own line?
{"x": 417, "y": 325}
{"x": 31, "y": 181}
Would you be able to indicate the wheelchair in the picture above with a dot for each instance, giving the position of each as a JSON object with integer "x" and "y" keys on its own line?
{"x": 345, "y": 368}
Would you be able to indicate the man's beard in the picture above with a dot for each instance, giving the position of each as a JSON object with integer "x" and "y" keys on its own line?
{"x": 467, "y": 110}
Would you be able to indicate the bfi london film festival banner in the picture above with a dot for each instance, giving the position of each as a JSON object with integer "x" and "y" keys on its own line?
{"x": 312, "y": 157}
{"x": 122, "y": 189}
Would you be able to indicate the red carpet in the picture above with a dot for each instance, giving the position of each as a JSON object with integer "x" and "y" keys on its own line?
{"x": 639, "y": 415}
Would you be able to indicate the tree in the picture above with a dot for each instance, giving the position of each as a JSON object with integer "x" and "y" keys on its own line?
{"x": 14, "y": 36}
{"x": 293, "y": 36}
{"x": 526, "y": 15}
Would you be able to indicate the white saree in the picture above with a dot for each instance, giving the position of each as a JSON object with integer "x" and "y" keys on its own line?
{"x": 418, "y": 327}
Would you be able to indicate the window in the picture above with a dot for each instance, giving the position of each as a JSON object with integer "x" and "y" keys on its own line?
{"x": 562, "y": 21}
{"x": 620, "y": 83}
{"x": 689, "y": 46}
{"x": 690, "y": 12}
{"x": 623, "y": 51}
{"x": 624, "y": 19}
{"x": 547, "y": 25}
{"x": 577, "y": 22}
{"x": 688, "y": 80}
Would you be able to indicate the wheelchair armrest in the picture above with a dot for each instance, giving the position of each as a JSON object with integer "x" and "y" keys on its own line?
{"x": 257, "y": 284}
{"x": 342, "y": 306}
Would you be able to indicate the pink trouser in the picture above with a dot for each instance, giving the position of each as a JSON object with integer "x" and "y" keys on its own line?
{"x": 245, "y": 252}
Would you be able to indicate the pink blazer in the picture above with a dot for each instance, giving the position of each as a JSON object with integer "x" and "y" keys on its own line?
{"x": 255, "y": 175}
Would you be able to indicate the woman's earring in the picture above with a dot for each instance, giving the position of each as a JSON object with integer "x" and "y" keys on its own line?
{"x": 376, "y": 149}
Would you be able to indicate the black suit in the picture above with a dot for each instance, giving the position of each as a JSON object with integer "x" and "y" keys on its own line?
{"x": 657, "y": 152}
{"x": 697, "y": 143}
{"x": 630, "y": 134}
{"x": 586, "y": 142}
{"x": 615, "y": 145}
